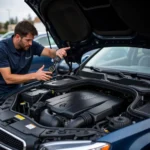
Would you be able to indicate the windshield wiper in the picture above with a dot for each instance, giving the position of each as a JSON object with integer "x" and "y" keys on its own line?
{"x": 119, "y": 73}
{"x": 138, "y": 77}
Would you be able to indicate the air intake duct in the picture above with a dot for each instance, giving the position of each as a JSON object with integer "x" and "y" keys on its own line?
{"x": 49, "y": 120}
{"x": 83, "y": 120}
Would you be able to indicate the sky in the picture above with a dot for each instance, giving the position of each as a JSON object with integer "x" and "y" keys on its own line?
{"x": 13, "y": 9}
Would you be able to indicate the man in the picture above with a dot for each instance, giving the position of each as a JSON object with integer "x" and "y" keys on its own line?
{"x": 16, "y": 55}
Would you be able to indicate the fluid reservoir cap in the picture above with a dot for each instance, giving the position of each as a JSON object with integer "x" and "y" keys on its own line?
{"x": 118, "y": 122}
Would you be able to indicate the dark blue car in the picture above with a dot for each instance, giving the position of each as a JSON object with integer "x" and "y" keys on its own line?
{"x": 102, "y": 105}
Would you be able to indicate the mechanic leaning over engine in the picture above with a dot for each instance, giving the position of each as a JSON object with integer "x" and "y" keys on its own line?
{"x": 16, "y": 54}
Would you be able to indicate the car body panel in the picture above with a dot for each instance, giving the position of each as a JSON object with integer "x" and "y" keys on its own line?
{"x": 135, "y": 136}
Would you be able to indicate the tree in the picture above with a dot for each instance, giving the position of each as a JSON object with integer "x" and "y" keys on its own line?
{"x": 12, "y": 21}
{"x": 29, "y": 18}
{"x": 16, "y": 20}
{"x": 1, "y": 25}
{"x": 6, "y": 25}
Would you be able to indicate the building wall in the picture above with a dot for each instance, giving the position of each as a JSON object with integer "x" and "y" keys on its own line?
{"x": 40, "y": 27}
{"x": 11, "y": 27}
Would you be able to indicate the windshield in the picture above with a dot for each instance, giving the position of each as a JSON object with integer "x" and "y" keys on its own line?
{"x": 127, "y": 59}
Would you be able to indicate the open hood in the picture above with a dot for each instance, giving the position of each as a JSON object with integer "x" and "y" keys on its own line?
{"x": 85, "y": 25}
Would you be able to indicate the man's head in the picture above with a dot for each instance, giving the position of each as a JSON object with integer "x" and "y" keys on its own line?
{"x": 24, "y": 34}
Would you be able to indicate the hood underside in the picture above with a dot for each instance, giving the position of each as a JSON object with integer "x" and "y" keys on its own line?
{"x": 85, "y": 25}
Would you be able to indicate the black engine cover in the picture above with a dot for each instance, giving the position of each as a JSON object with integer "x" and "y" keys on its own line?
{"x": 74, "y": 103}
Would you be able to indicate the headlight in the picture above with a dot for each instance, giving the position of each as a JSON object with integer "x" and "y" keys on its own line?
{"x": 75, "y": 145}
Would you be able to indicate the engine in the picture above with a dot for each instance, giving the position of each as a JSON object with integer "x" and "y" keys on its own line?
{"x": 82, "y": 105}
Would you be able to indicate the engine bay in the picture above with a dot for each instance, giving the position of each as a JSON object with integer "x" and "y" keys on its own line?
{"x": 81, "y": 106}
{"x": 78, "y": 108}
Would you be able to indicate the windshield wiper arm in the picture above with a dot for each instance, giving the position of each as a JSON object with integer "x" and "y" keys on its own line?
{"x": 137, "y": 76}
{"x": 140, "y": 75}
{"x": 120, "y": 74}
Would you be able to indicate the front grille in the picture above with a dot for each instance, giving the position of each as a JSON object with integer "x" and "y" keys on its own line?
{"x": 2, "y": 147}
{"x": 10, "y": 140}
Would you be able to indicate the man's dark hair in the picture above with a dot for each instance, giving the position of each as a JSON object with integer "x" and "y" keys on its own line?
{"x": 25, "y": 27}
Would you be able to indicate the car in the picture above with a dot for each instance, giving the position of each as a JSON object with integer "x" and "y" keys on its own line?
{"x": 44, "y": 40}
{"x": 114, "y": 53}
{"x": 1, "y": 35}
{"x": 10, "y": 33}
{"x": 7, "y": 35}
{"x": 102, "y": 105}
{"x": 63, "y": 68}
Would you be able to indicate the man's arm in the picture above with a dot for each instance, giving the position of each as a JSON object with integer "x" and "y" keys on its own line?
{"x": 17, "y": 79}
{"x": 52, "y": 53}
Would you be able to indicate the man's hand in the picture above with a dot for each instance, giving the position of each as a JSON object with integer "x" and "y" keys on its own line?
{"x": 52, "y": 53}
{"x": 62, "y": 52}
{"x": 43, "y": 75}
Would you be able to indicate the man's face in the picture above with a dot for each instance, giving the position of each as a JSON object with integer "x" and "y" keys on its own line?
{"x": 24, "y": 43}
